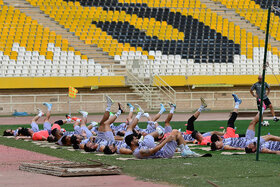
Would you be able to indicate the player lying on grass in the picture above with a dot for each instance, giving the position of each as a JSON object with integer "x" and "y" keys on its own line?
{"x": 105, "y": 140}
{"x": 120, "y": 147}
{"x": 241, "y": 142}
{"x": 271, "y": 145}
{"x": 147, "y": 148}
{"x": 205, "y": 138}
{"x": 21, "y": 131}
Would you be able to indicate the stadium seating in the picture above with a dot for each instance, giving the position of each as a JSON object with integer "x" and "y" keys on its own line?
{"x": 177, "y": 37}
{"x": 254, "y": 11}
{"x": 30, "y": 49}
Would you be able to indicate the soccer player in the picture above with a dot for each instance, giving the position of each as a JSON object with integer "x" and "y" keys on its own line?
{"x": 147, "y": 148}
{"x": 237, "y": 143}
{"x": 268, "y": 144}
{"x": 257, "y": 86}
{"x": 191, "y": 133}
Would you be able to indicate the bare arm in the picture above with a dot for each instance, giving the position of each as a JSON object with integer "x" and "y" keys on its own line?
{"x": 23, "y": 138}
{"x": 149, "y": 152}
{"x": 271, "y": 138}
{"x": 227, "y": 147}
{"x": 125, "y": 151}
{"x": 268, "y": 91}
{"x": 270, "y": 152}
{"x": 252, "y": 93}
{"x": 118, "y": 138}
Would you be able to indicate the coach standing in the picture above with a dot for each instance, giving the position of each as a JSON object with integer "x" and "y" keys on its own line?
{"x": 258, "y": 86}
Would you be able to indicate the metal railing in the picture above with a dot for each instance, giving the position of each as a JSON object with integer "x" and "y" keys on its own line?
{"x": 165, "y": 88}
{"x": 185, "y": 101}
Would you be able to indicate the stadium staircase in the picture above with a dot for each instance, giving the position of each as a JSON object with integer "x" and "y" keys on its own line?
{"x": 92, "y": 51}
{"x": 154, "y": 90}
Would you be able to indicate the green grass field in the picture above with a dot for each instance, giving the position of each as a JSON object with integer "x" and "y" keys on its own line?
{"x": 223, "y": 170}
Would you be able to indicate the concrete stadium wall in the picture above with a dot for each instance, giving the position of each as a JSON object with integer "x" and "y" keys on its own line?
{"x": 187, "y": 99}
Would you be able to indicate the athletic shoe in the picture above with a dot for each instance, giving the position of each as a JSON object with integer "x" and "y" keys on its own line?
{"x": 94, "y": 123}
{"x": 236, "y": 99}
{"x": 121, "y": 108}
{"x": 109, "y": 100}
{"x": 188, "y": 153}
{"x": 130, "y": 105}
{"x": 162, "y": 108}
{"x": 68, "y": 118}
{"x": 275, "y": 119}
{"x": 48, "y": 105}
{"x": 203, "y": 102}
{"x": 76, "y": 119}
{"x": 40, "y": 113}
{"x": 139, "y": 109}
{"x": 172, "y": 105}
{"x": 84, "y": 113}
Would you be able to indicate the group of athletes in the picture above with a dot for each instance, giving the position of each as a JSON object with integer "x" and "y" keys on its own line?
{"x": 154, "y": 141}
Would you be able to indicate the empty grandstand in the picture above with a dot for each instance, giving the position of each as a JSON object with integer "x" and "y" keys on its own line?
{"x": 157, "y": 50}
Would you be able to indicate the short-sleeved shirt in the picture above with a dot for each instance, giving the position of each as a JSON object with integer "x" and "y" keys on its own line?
{"x": 37, "y": 136}
{"x": 241, "y": 142}
{"x": 271, "y": 145}
{"x": 206, "y": 138}
{"x": 258, "y": 87}
{"x": 147, "y": 143}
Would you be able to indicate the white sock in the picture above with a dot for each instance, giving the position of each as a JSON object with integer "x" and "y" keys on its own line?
{"x": 201, "y": 108}
{"x": 146, "y": 115}
{"x": 139, "y": 114}
{"x": 78, "y": 120}
{"x": 108, "y": 108}
{"x": 40, "y": 114}
{"x": 131, "y": 109}
{"x": 118, "y": 113}
{"x": 236, "y": 105}
{"x": 68, "y": 120}
{"x": 172, "y": 110}
{"x": 274, "y": 117}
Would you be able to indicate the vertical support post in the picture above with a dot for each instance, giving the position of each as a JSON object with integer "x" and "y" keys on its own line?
{"x": 69, "y": 102}
{"x": 263, "y": 80}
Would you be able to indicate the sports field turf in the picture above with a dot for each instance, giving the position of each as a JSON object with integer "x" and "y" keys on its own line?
{"x": 223, "y": 170}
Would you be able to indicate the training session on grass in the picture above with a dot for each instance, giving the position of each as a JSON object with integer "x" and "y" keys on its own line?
{"x": 140, "y": 93}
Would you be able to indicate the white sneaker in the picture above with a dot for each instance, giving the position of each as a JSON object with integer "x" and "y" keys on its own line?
{"x": 172, "y": 105}
{"x": 40, "y": 113}
{"x": 203, "y": 102}
{"x": 188, "y": 153}
{"x": 94, "y": 123}
{"x": 84, "y": 113}
{"x": 110, "y": 101}
{"x": 139, "y": 109}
